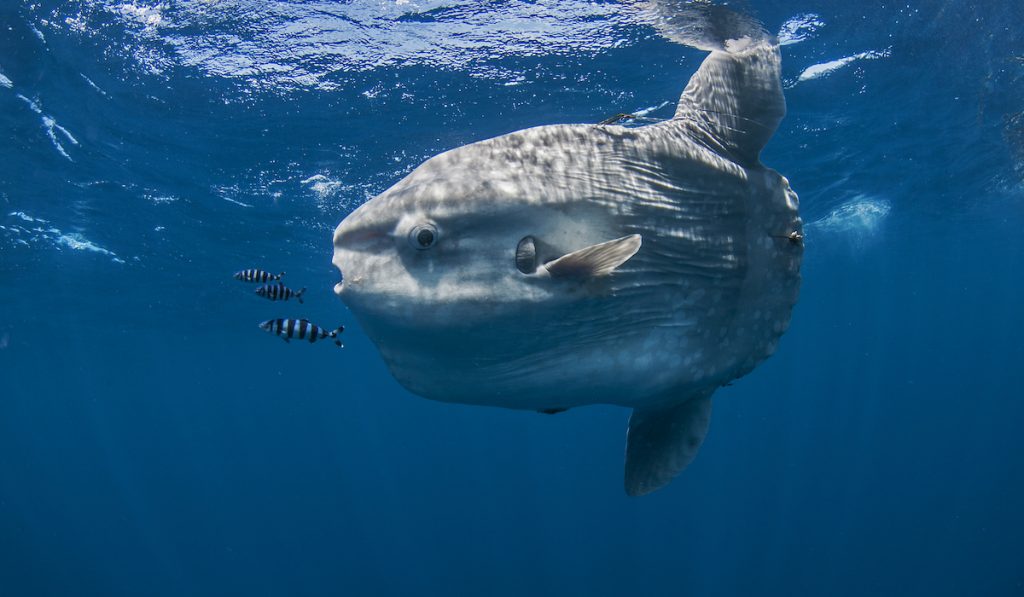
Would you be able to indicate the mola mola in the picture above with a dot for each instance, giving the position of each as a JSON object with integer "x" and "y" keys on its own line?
{"x": 567, "y": 265}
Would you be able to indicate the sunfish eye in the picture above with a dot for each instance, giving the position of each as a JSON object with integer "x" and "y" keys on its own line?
{"x": 526, "y": 255}
{"x": 423, "y": 236}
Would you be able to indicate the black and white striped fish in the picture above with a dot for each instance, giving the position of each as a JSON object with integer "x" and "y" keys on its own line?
{"x": 257, "y": 275}
{"x": 301, "y": 329}
{"x": 278, "y": 292}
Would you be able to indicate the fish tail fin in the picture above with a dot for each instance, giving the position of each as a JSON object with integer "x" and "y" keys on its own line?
{"x": 335, "y": 334}
{"x": 298, "y": 295}
{"x": 280, "y": 275}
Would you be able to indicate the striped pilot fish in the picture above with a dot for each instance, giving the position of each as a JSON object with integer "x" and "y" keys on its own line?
{"x": 301, "y": 329}
{"x": 278, "y": 292}
{"x": 257, "y": 275}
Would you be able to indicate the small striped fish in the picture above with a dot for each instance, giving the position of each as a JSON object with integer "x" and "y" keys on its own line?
{"x": 301, "y": 329}
{"x": 278, "y": 292}
{"x": 257, "y": 275}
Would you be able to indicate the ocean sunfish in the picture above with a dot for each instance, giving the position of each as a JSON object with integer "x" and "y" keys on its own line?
{"x": 567, "y": 265}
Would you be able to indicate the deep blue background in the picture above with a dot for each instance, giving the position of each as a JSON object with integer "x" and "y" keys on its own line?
{"x": 153, "y": 441}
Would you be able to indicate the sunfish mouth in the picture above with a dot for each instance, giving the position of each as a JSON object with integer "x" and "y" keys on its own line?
{"x": 341, "y": 283}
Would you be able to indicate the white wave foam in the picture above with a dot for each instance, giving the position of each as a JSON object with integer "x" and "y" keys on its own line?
{"x": 25, "y": 217}
{"x": 53, "y": 236}
{"x": 323, "y": 186}
{"x": 817, "y": 71}
{"x": 51, "y": 127}
{"x": 49, "y": 121}
{"x": 78, "y": 242}
{"x": 799, "y": 28}
{"x": 857, "y": 220}
{"x": 649, "y": 109}
{"x": 235, "y": 201}
{"x": 149, "y": 16}
{"x": 31, "y": 104}
{"x": 38, "y": 33}
{"x": 53, "y": 138}
{"x": 77, "y": 24}
{"x": 93, "y": 85}
{"x": 159, "y": 199}
{"x": 373, "y": 92}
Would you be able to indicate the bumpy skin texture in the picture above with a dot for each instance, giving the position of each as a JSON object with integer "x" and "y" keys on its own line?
{"x": 705, "y": 298}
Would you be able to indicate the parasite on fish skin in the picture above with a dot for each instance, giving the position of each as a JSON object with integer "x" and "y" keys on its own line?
{"x": 257, "y": 275}
{"x": 301, "y": 329}
{"x": 275, "y": 292}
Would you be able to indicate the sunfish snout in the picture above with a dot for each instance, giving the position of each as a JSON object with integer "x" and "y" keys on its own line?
{"x": 343, "y": 240}
{"x": 361, "y": 247}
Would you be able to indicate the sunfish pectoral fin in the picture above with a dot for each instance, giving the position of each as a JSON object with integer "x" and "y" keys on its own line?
{"x": 735, "y": 98}
{"x": 661, "y": 442}
{"x": 596, "y": 260}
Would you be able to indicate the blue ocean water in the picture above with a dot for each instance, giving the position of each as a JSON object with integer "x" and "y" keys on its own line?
{"x": 153, "y": 441}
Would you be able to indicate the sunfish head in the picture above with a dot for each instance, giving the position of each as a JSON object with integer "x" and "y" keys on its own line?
{"x": 450, "y": 271}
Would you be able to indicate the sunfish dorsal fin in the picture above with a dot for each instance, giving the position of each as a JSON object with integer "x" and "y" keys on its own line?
{"x": 735, "y": 98}
{"x": 596, "y": 260}
{"x": 661, "y": 442}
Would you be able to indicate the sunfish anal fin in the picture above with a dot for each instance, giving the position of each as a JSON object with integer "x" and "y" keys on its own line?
{"x": 661, "y": 442}
{"x": 596, "y": 260}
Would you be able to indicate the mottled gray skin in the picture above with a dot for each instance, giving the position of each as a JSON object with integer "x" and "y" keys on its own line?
{"x": 705, "y": 298}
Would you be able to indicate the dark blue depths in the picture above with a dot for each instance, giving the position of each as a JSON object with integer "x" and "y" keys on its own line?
{"x": 154, "y": 442}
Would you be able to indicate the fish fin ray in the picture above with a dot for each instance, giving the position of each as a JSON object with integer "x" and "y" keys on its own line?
{"x": 596, "y": 260}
